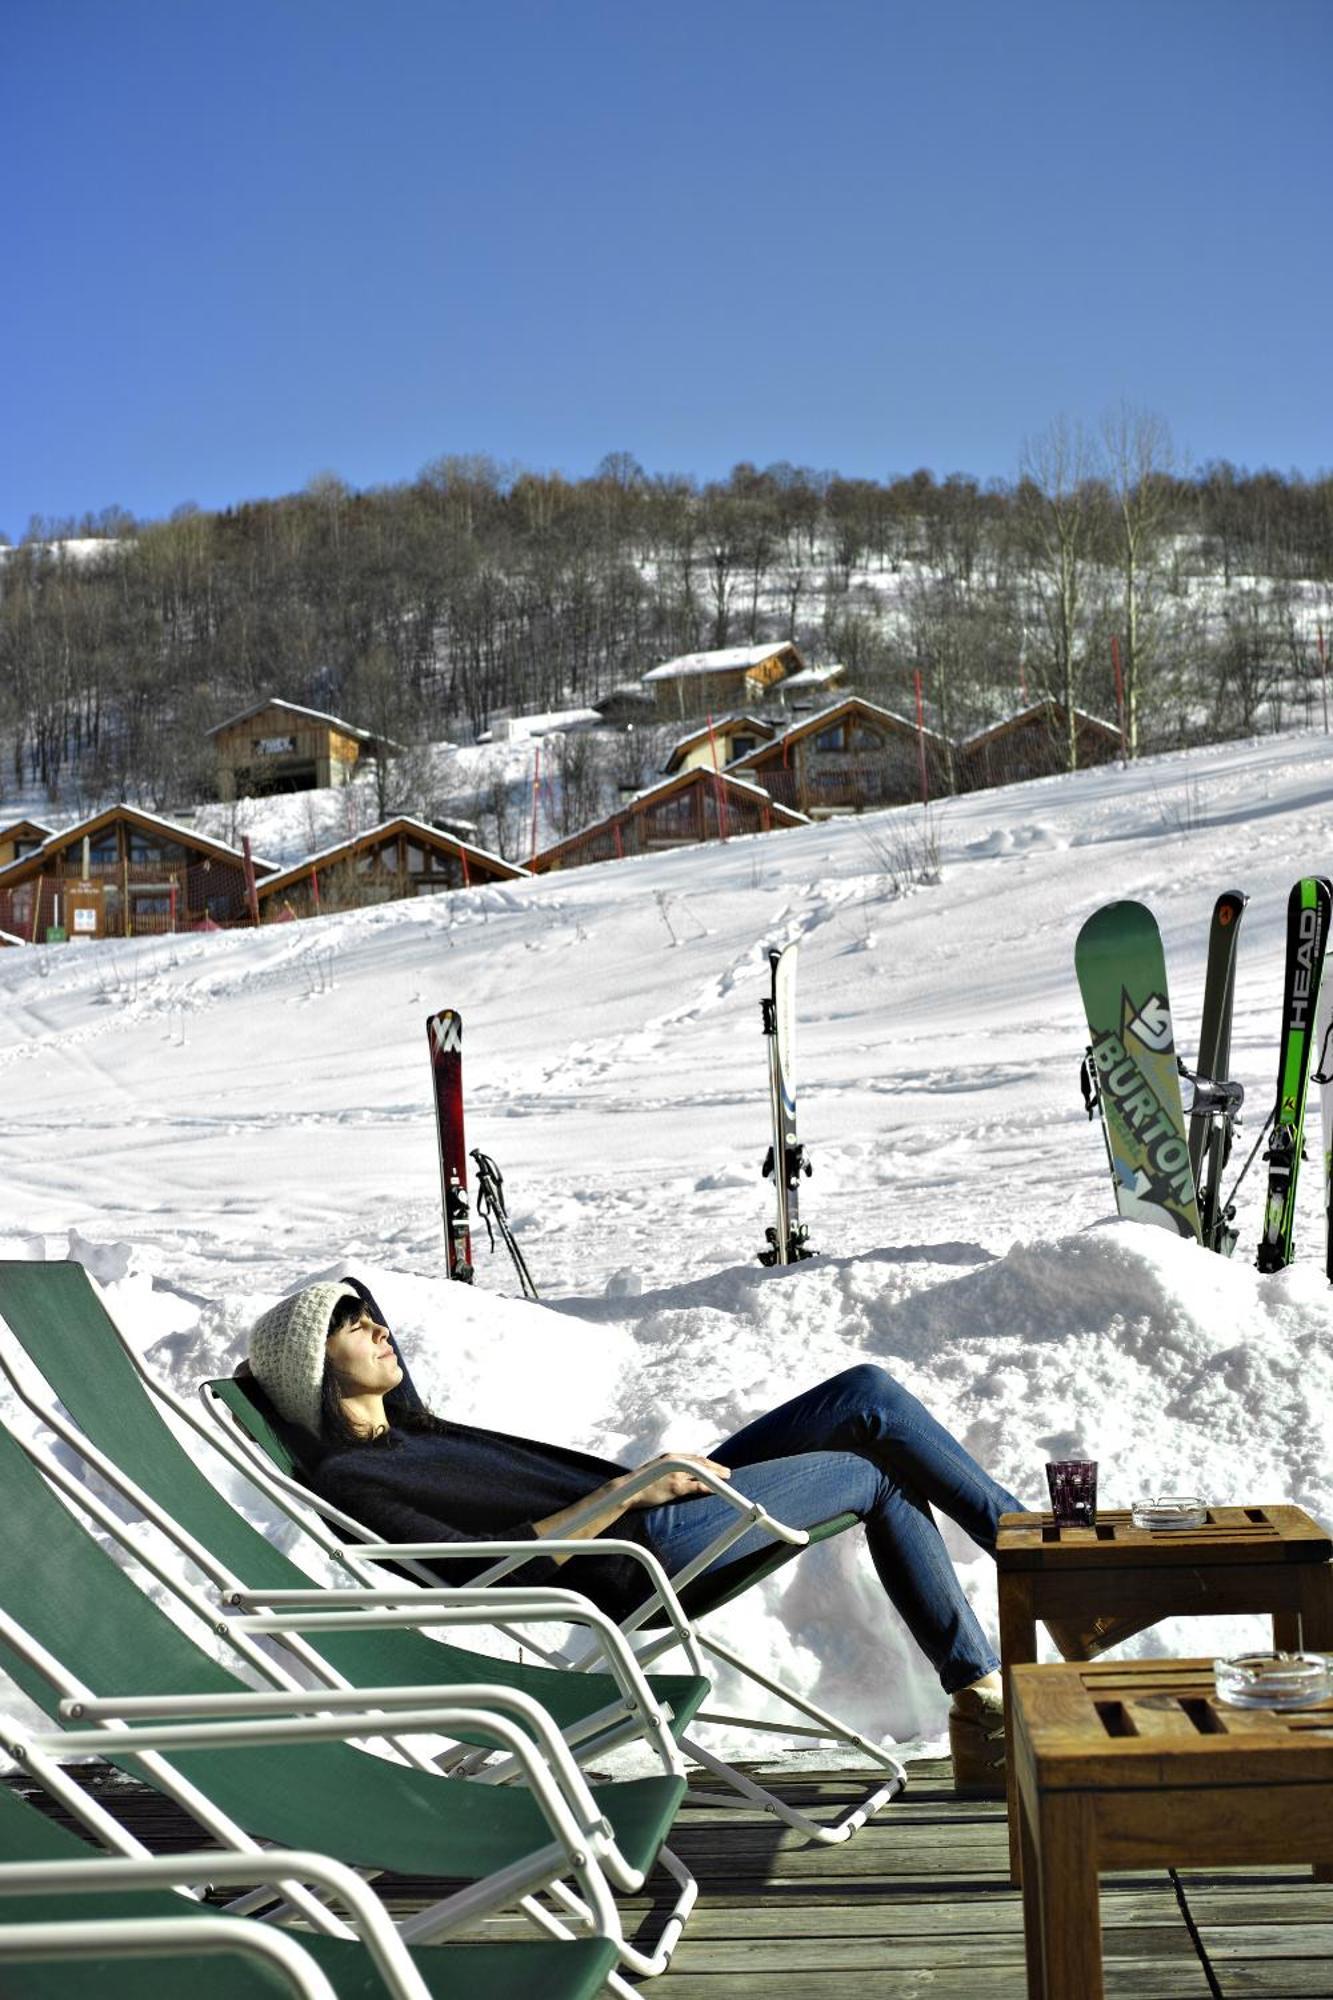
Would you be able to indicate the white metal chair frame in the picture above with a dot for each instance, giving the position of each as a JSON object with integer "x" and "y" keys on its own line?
{"x": 582, "y": 1846}
{"x": 133, "y": 1937}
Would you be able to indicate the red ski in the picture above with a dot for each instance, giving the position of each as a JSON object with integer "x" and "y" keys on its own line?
{"x": 445, "y": 1035}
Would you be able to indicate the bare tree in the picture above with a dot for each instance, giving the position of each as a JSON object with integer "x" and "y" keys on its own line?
{"x": 1057, "y": 505}
{"x": 1137, "y": 463}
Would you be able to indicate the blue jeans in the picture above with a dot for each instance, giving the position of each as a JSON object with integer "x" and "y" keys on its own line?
{"x": 859, "y": 1444}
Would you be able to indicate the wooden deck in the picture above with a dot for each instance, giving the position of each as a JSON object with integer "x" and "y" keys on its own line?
{"x": 918, "y": 1907}
{"x": 919, "y": 1904}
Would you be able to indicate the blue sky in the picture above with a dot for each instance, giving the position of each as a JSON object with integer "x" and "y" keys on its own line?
{"x": 252, "y": 243}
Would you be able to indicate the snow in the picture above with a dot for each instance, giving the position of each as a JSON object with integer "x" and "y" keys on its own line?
{"x": 209, "y": 1122}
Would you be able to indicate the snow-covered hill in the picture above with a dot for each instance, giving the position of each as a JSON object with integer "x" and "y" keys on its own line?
{"x": 220, "y": 1119}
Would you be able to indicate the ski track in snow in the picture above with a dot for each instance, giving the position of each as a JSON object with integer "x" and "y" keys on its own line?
{"x": 209, "y": 1122}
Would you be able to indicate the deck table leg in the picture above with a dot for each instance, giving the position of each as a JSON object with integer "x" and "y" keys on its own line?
{"x": 1068, "y": 1898}
{"x": 1316, "y": 1622}
{"x": 1286, "y": 1632}
{"x": 1316, "y": 1612}
{"x": 1018, "y": 1648}
{"x": 1031, "y": 1878}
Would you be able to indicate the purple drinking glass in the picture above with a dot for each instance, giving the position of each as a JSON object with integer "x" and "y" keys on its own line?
{"x": 1073, "y": 1484}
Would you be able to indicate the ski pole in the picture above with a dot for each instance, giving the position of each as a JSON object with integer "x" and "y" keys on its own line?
{"x": 491, "y": 1203}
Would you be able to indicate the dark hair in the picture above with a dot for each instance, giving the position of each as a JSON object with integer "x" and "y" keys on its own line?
{"x": 404, "y": 1414}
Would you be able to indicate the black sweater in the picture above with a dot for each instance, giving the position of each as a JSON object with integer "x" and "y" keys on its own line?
{"x": 461, "y": 1484}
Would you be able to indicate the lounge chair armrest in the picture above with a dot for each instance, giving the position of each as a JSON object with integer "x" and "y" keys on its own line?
{"x": 545, "y": 1545}
{"x": 411, "y": 1606}
{"x": 278, "y": 1951}
{"x": 274, "y": 1868}
{"x": 382, "y": 1705}
{"x": 572, "y": 1824}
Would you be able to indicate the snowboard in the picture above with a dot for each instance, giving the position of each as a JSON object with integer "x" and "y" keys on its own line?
{"x": 1121, "y": 972}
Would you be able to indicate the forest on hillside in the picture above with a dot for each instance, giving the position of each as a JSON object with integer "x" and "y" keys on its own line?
{"x": 423, "y": 610}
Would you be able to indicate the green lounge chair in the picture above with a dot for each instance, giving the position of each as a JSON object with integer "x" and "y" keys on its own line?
{"x": 61, "y": 1901}
{"x": 75, "y": 1626}
{"x": 57, "y": 1316}
{"x": 704, "y": 1585}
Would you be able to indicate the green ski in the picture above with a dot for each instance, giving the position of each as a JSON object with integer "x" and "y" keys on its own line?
{"x": 1308, "y": 909}
{"x": 1131, "y": 1067}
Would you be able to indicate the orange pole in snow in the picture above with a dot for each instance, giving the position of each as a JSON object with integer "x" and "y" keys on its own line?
{"x": 921, "y": 738}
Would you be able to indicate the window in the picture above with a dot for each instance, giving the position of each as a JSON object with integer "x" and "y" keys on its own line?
{"x": 150, "y": 850}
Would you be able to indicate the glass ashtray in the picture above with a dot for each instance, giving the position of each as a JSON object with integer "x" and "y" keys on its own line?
{"x": 1169, "y": 1513}
{"x": 1273, "y": 1680}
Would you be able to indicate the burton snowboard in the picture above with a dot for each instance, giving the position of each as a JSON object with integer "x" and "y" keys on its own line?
{"x": 1215, "y": 1110}
{"x": 1308, "y": 909}
{"x": 785, "y": 1159}
{"x": 1131, "y": 1066}
{"x": 445, "y": 1035}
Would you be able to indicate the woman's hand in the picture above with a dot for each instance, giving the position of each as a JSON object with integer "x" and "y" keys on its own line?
{"x": 676, "y": 1484}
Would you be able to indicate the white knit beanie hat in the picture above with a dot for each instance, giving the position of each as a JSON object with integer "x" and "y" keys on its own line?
{"x": 287, "y": 1350}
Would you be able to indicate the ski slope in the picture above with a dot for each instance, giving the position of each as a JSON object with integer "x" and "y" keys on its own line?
{"x": 208, "y": 1122}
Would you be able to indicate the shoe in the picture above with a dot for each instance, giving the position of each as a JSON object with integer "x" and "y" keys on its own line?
{"x": 1085, "y": 1642}
{"x": 976, "y": 1744}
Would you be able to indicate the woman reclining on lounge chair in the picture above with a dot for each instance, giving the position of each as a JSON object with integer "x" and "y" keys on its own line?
{"x": 857, "y": 1444}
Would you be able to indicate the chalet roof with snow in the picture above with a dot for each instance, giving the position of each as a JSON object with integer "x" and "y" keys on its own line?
{"x": 132, "y": 818}
{"x": 722, "y": 728}
{"x": 304, "y": 714}
{"x": 851, "y": 707}
{"x": 718, "y": 795}
{"x": 1051, "y": 711}
{"x": 726, "y": 660}
{"x": 428, "y": 841}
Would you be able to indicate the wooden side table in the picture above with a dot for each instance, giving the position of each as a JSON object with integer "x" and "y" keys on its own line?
{"x": 1273, "y": 1560}
{"x": 1135, "y": 1763}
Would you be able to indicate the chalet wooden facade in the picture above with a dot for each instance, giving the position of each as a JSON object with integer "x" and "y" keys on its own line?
{"x": 719, "y": 743}
{"x": 22, "y": 837}
{"x": 400, "y": 857}
{"x": 1034, "y": 743}
{"x": 124, "y": 873}
{"x": 697, "y": 684}
{"x": 277, "y": 746}
{"x": 853, "y": 757}
{"x": 691, "y": 807}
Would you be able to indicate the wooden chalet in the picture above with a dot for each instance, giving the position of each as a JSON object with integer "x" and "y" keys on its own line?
{"x": 277, "y": 746}
{"x": 1034, "y": 743}
{"x": 852, "y": 757}
{"x": 400, "y": 857}
{"x": 124, "y": 873}
{"x": 730, "y": 737}
{"x": 726, "y": 678}
{"x": 693, "y": 806}
{"x": 22, "y": 837}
